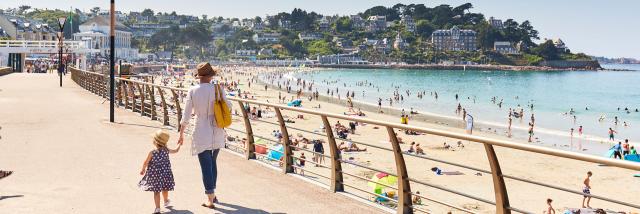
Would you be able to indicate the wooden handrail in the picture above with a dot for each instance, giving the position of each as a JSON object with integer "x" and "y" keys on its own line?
{"x": 94, "y": 81}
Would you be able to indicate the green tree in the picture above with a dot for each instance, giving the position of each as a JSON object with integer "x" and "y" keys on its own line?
{"x": 319, "y": 47}
{"x": 23, "y": 8}
{"x": 343, "y": 25}
{"x": 147, "y": 12}
{"x": 95, "y": 10}
{"x": 547, "y": 51}
{"x": 424, "y": 28}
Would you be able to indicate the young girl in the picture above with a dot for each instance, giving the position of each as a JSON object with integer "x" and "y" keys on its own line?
{"x": 156, "y": 169}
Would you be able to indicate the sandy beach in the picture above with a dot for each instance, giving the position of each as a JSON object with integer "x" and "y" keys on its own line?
{"x": 609, "y": 182}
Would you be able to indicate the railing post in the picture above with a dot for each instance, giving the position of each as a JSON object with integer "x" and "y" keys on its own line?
{"x": 165, "y": 111}
{"x": 287, "y": 161}
{"x": 103, "y": 86}
{"x": 499, "y": 188}
{"x": 120, "y": 95}
{"x": 249, "y": 147}
{"x": 178, "y": 109}
{"x": 141, "y": 91}
{"x": 336, "y": 165}
{"x": 133, "y": 96}
{"x": 153, "y": 101}
{"x": 125, "y": 89}
{"x": 404, "y": 194}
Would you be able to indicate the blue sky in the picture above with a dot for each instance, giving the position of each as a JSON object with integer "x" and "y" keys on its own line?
{"x": 596, "y": 27}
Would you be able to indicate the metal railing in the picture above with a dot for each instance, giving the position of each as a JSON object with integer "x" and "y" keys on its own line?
{"x": 42, "y": 46}
{"x": 163, "y": 103}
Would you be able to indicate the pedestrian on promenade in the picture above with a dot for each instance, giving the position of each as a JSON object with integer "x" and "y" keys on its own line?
{"x": 207, "y": 137}
{"x": 158, "y": 177}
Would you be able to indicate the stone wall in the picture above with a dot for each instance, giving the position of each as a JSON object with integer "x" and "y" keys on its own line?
{"x": 574, "y": 64}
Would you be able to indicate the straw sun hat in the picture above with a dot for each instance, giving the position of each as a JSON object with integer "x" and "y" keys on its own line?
{"x": 205, "y": 70}
{"x": 161, "y": 138}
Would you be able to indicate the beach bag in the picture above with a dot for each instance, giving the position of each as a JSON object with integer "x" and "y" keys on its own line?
{"x": 221, "y": 110}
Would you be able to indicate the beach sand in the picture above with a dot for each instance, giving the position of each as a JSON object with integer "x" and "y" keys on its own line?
{"x": 607, "y": 181}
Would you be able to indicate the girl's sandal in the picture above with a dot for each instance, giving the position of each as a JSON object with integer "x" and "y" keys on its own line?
{"x": 4, "y": 174}
{"x": 210, "y": 206}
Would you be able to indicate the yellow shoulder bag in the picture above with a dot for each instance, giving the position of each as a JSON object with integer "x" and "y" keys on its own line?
{"x": 221, "y": 110}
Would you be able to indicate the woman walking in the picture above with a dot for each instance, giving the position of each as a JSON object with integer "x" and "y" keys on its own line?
{"x": 208, "y": 138}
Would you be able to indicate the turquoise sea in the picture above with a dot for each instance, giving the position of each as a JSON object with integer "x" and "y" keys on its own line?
{"x": 552, "y": 93}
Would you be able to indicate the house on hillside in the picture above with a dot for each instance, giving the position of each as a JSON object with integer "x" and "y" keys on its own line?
{"x": 266, "y": 37}
{"x": 20, "y": 28}
{"x": 376, "y": 23}
{"x": 495, "y": 23}
{"x": 454, "y": 39}
{"x": 309, "y": 36}
{"x": 559, "y": 44}
{"x": 146, "y": 30}
{"x": 357, "y": 22}
{"x": 504, "y": 47}
{"x": 399, "y": 43}
{"x": 408, "y": 23}
{"x": 324, "y": 24}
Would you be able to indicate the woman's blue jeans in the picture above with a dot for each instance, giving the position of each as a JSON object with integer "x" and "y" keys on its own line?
{"x": 209, "y": 169}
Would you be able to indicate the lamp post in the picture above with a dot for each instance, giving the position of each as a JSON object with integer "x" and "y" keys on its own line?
{"x": 61, "y": 23}
{"x": 112, "y": 62}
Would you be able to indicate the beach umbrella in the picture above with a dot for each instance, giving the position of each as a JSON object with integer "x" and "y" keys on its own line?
{"x": 276, "y": 152}
{"x": 380, "y": 180}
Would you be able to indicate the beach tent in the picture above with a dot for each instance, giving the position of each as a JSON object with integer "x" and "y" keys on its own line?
{"x": 381, "y": 179}
{"x": 260, "y": 145}
{"x": 295, "y": 103}
{"x": 276, "y": 152}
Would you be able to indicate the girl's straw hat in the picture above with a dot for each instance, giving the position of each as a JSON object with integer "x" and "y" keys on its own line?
{"x": 161, "y": 138}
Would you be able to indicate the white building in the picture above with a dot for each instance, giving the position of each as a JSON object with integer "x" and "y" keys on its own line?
{"x": 409, "y": 23}
{"x": 266, "y": 37}
{"x": 559, "y": 44}
{"x": 496, "y": 23}
{"x": 95, "y": 32}
{"x": 309, "y": 36}
{"x": 504, "y": 48}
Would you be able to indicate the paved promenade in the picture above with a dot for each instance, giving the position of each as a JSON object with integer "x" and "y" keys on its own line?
{"x": 68, "y": 158}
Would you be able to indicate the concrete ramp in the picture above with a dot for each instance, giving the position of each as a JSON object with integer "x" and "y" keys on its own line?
{"x": 67, "y": 158}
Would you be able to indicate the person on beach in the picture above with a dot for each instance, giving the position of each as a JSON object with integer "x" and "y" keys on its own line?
{"x": 158, "y": 177}
{"x": 318, "y": 149}
{"x": 301, "y": 162}
{"x": 625, "y": 147}
{"x": 419, "y": 150}
{"x": 617, "y": 150}
{"x": 633, "y": 151}
{"x": 469, "y": 121}
{"x": 580, "y": 130}
{"x": 530, "y": 132}
{"x": 207, "y": 137}
{"x": 612, "y": 134}
{"x": 550, "y": 209}
{"x": 587, "y": 190}
{"x": 411, "y": 149}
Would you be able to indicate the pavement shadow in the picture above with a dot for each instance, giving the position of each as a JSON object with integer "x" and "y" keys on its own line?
{"x": 140, "y": 125}
{"x": 174, "y": 211}
{"x": 236, "y": 209}
{"x": 10, "y": 196}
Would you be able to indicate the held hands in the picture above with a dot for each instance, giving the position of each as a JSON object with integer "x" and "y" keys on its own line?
{"x": 180, "y": 140}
